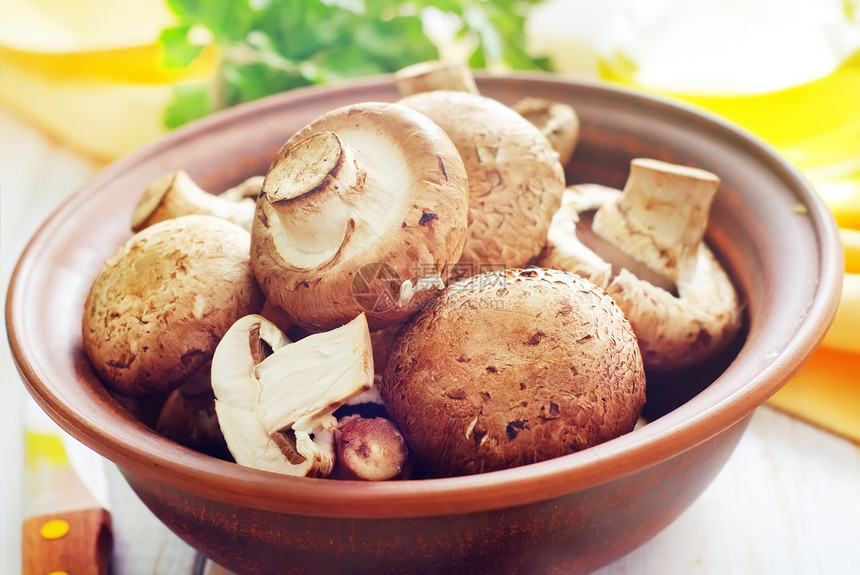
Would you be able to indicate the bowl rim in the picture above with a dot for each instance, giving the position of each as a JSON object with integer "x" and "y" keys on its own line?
{"x": 194, "y": 473}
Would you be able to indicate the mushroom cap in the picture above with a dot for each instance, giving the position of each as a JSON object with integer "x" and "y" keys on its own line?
{"x": 674, "y": 330}
{"x": 384, "y": 239}
{"x": 513, "y": 368}
{"x": 158, "y": 308}
{"x": 515, "y": 178}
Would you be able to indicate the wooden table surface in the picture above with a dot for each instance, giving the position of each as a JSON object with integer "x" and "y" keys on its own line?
{"x": 787, "y": 501}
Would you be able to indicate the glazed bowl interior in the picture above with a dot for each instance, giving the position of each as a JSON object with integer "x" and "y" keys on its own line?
{"x": 767, "y": 226}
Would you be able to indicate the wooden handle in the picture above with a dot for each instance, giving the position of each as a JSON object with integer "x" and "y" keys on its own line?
{"x": 74, "y": 542}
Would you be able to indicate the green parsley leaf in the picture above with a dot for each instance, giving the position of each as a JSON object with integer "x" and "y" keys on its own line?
{"x": 268, "y": 46}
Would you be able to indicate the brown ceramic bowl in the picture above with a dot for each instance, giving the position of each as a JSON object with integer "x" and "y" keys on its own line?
{"x": 567, "y": 515}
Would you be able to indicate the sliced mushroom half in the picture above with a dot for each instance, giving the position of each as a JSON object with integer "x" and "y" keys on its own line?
{"x": 645, "y": 245}
{"x": 363, "y": 210}
{"x": 274, "y": 399}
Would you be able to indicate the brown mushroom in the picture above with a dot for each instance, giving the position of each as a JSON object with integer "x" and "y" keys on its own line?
{"x": 190, "y": 419}
{"x": 515, "y": 178}
{"x": 513, "y": 368}
{"x": 558, "y": 121}
{"x": 369, "y": 449}
{"x": 277, "y": 316}
{"x": 158, "y": 308}
{"x": 175, "y": 194}
{"x": 361, "y": 211}
{"x": 646, "y": 247}
{"x": 382, "y": 341}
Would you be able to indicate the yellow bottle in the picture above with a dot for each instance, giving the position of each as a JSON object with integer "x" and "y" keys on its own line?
{"x": 786, "y": 70}
{"x": 815, "y": 124}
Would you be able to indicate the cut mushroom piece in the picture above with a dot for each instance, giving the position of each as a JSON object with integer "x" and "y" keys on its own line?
{"x": 541, "y": 363}
{"x": 175, "y": 194}
{"x": 515, "y": 178}
{"x": 158, "y": 308}
{"x": 434, "y": 75}
{"x": 362, "y": 211}
{"x": 646, "y": 247}
{"x": 558, "y": 121}
{"x": 275, "y": 399}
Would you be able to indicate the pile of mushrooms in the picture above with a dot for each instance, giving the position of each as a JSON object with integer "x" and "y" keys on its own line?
{"x": 411, "y": 286}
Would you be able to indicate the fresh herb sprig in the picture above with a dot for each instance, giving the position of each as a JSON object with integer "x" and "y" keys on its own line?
{"x": 268, "y": 46}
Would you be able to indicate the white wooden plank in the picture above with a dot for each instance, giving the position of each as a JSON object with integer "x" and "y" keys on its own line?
{"x": 35, "y": 175}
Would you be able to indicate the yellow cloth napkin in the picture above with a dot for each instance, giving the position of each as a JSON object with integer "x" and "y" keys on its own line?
{"x": 826, "y": 391}
{"x": 89, "y": 72}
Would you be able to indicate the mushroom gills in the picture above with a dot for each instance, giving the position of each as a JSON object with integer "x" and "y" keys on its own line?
{"x": 275, "y": 409}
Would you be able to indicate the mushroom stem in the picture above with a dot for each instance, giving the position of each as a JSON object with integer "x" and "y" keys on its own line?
{"x": 175, "y": 194}
{"x": 310, "y": 192}
{"x": 617, "y": 258}
{"x": 434, "y": 75}
{"x": 661, "y": 216}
